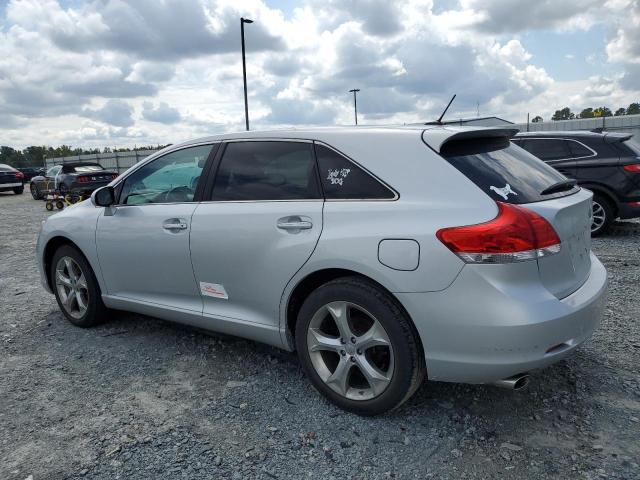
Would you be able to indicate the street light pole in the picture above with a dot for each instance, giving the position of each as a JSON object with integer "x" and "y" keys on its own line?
{"x": 355, "y": 102}
{"x": 244, "y": 71}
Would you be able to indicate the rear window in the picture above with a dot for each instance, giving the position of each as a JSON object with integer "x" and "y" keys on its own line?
{"x": 504, "y": 171}
{"x": 86, "y": 168}
{"x": 632, "y": 145}
{"x": 6, "y": 168}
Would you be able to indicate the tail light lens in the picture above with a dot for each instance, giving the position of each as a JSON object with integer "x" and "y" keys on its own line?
{"x": 82, "y": 179}
{"x": 114, "y": 176}
{"x": 633, "y": 168}
{"x": 515, "y": 235}
{"x": 19, "y": 175}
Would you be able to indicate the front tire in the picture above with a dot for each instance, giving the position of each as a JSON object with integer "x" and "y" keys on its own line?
{"x": 603, "y": 215}
{"x": 76, "y": 288}
{"x": 358, "y": 347}
{"x": 35, "y": 193}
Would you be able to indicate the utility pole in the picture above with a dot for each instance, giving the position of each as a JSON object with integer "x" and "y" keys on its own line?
{"x": 244, "y": 71}
{"x": 355, "y": 102}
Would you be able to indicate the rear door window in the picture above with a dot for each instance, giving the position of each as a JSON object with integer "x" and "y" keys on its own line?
{"x": 547, "y": 148}
{"x": 344, "y": 180}
{"x": 254, "y": 171}
{"x": 504, "y": 171}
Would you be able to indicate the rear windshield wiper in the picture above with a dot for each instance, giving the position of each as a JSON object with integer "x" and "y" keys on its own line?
{"x": 559, "y": 187}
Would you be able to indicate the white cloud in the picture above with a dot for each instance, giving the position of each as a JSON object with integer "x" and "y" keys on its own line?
{"x": 115, "y": 72}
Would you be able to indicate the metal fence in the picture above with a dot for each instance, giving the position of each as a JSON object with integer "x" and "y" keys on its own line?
{"x": 623, "y": 123}
{"x": 119, "y": 161}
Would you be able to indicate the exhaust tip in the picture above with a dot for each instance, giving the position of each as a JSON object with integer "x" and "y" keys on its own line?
{"x": 517, "y": 382}
{"x": 521, "y": 382}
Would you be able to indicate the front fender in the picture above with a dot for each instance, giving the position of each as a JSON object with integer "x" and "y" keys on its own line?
{"x": 75, "y": 225}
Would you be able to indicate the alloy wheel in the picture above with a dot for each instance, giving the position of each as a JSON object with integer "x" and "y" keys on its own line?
{"x": 72, "y": 288}
{"x": 350, "y": 351}
{"x": 599, "y": 216}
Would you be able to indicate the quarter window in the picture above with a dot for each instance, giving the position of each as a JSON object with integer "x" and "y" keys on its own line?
{"x": 578, "y": 149}
{"x": 172, "y": 178}
{"x": 267, "y": 171}
{"x": 344, "y": 180}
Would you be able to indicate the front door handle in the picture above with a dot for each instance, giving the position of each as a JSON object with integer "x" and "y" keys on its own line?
{"x": 175, "y": 224}
{"x": 294, "y": 223}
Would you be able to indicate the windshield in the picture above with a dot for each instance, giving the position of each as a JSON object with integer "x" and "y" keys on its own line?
{"x": 87, "y": 168}
{"x": 506, "y": 172}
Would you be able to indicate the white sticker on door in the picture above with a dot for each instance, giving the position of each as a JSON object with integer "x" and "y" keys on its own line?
{"x": 213, "y": 290}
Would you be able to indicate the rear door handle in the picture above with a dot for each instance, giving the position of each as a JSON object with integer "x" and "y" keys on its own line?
{"x": 294, "y": 223}
{"x": 175, "y": 224}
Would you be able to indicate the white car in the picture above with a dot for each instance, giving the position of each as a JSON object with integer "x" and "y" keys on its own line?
{"x": 382, "y": 255}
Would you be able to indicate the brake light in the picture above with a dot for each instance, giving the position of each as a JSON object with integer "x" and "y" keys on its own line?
{"x": 19, "y": 175}
{"x": 515, "y": 235}
{"x": 82, "y": 179}
{"x": 633, "y": 168}
{"x": 114, "y": 176}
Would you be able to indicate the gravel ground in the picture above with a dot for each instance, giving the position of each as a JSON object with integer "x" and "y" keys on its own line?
{"x": 141, "y": 398}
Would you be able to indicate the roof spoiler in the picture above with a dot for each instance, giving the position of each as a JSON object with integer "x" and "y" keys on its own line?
{"x": 617, "y": 137}
{"x": 438, "y": 138}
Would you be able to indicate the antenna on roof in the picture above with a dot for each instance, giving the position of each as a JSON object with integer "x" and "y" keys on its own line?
{"x": 439, "y": 121}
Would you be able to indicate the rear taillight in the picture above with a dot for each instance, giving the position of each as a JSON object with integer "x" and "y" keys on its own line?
{"x": 633, "y": 168}
{"x": 114, "y": 176}
{"x": 82, "y": 179}
{"x": 515, "y": 235}
{"x": 19, "y": 175}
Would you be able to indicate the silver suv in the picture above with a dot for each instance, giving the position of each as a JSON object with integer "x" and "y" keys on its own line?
{"x": 382, "y": 255}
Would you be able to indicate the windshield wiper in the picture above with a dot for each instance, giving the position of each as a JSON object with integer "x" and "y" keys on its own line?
{"x": 559, "y": 187}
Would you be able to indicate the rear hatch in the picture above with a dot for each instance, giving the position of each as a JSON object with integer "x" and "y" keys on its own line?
{"x": 509, "y": 174}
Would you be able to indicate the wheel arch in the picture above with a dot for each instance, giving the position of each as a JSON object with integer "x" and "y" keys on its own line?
{"x": 49, "y": 251}
{"x": 313, "y": 280}
{"x": 604, "y": 191}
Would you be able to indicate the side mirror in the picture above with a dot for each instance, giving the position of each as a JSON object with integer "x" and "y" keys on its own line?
{"x": 103, "y": 197}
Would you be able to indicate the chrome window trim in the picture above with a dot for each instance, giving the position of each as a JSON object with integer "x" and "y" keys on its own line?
{"x": 157, "y": 155}
{"x": 594, "y": 153}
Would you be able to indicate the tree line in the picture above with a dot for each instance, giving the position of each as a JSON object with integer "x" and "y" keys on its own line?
{"x": 566, "y": 113}
{"x": 34, "y": 156}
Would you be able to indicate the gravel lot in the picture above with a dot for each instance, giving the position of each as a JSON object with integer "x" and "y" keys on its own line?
{"x": 141, "y": 398}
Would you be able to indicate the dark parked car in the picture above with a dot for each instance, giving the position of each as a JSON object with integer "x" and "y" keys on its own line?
{"x": 80, "y": 178}
{"x": 30, "y": 172}
{"x": 11, "y": 179}
{"x": 606, "y": 163}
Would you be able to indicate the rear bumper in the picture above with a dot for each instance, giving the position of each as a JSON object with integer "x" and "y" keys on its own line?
{"x": 489, "y": 327}
{"x": 10, "y": 186}
{"x": 628, "y": 210}
{"x": 87, "y": 188}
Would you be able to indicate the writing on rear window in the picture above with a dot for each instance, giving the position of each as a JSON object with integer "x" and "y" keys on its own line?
{"x": 337, "y": 177}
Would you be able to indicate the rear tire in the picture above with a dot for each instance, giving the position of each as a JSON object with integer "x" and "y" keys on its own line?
{"x": 603, "y": 215}
{"x": 76, "y": 288}
{"x": 19, "y": 190}
{"x": 379, "y": 366}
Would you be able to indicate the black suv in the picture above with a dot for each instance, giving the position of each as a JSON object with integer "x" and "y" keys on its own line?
{"x": 606, "y": 163}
